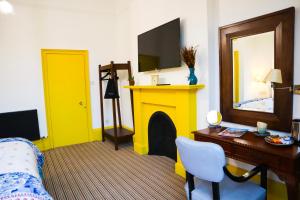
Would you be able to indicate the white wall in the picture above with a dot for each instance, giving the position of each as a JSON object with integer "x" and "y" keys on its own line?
{"x": 53, "y": 24}
{"x": 123, "y": 54}
{"x": 256, "y": 59}
{"x": 200, "y": 21}
{"x": 144, "y": 15}
{"x": 231, "y": 11}
{"x": 109, "y": 29}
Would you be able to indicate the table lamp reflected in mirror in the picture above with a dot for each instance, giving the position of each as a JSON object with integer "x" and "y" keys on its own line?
{"x": 275, "y": 76}
{"x": 214, "y": 119}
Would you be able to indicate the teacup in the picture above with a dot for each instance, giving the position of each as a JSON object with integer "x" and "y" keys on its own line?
{"x": 262, "y": 127}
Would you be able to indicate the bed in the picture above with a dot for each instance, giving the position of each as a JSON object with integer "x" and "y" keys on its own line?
{"x": 21, "y": 171}
{"x": 258, "y": 104}
{"x": 21, "y": 162}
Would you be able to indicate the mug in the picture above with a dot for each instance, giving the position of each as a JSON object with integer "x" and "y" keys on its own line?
{"x": 262, "y": 127}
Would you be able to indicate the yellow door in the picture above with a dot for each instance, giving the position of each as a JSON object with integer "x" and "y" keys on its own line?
{"x": 66, "y": 92}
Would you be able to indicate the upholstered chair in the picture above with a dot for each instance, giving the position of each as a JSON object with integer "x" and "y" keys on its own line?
{"x": 208, "y": 177}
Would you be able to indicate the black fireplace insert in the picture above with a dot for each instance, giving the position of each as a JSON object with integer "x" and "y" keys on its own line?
{"x": 162, "y": 135}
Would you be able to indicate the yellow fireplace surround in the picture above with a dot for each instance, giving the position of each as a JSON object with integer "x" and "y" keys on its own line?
{"x": 177, "y": 101}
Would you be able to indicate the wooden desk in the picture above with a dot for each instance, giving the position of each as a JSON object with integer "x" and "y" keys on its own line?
{"x": 284, "y": 161}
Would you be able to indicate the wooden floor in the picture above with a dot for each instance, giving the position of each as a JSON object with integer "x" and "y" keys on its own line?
{"x": 96, "y": 171}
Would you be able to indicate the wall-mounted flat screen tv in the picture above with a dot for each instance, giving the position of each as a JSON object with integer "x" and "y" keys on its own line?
{"x": 159, "y": 48}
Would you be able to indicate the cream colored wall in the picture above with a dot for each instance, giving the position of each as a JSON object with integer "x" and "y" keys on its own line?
{"x": 251, "y": 8}
{"x": 256, "y": 59}
{"x": 68, "y": 24}
{"x": 109, "y": 29}
{"x": 200, "y": 22}
{"x": 248, "y": 9}
{"x": 141, "y": 16}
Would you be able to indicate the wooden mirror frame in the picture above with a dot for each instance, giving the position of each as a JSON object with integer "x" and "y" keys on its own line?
{"x": 282, "y": 23}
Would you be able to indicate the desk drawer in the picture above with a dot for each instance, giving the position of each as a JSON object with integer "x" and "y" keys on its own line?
{"x": 225, "y": 145}
{"x": 256, "y": 157}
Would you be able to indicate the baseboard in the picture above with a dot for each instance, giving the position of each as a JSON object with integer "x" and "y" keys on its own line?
{"x": 179, "y": 169}
{"x": 140, "y": 149}
{"x": 43, "y": 144}
{"x": 128, "y": 128}
{"x": 96, "y": 135}
{"x": 125, "y": 127}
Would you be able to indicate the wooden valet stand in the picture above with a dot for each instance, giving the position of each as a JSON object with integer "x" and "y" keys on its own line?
{"x": 117, "y": 134}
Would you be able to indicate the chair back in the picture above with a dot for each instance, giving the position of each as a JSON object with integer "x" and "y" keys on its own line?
{"x": 204, "y": 160}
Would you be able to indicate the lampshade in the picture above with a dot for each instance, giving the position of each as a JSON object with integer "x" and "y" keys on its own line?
{"x": 274, "y": 76}
{"x": 6, "y": 7}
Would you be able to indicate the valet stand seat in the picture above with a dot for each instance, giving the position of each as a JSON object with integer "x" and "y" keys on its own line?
{"x": 209, "y": 179}
{"x": 118, "y": 133}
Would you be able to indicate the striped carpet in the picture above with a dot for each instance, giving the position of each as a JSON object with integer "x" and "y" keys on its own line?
{"x": 96, "y": 171}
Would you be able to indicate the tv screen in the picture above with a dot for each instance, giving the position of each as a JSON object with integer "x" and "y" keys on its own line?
{"x": 159, "y": 48}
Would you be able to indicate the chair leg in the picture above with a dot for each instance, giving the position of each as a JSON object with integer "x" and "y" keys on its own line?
{"x": 132, "y": 140}
{"x": 264, "y": 177}
{"x": 116, "y": 144}
{"x": 116, "y": 141}
{"x": 216, "y": 191}
{"x": 191, "y": 184}
{"x": 115, "y": 124}
{"x": 103, "y": 136}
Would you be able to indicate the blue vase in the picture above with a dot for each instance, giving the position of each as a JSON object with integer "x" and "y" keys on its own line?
{"x": 192, "y": 78}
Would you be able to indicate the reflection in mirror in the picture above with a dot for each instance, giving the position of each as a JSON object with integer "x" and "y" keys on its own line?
{"x": 253, "y": 59}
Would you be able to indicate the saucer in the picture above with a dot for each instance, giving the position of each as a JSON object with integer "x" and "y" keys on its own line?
{"x": 262, "y": 135}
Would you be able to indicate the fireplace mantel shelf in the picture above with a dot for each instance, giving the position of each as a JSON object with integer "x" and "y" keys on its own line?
{"x": 166, "y": 87}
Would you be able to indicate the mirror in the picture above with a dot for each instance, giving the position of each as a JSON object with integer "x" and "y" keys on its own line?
{"x": 249, "y": 50}
{"x": 214, "y": 118}
{"x": 253, "y": 59}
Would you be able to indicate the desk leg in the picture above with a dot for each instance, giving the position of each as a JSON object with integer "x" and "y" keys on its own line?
{"x": 292, "y": 185}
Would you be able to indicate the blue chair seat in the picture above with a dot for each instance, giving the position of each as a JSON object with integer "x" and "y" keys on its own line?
{"x": 229, "y": 190}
